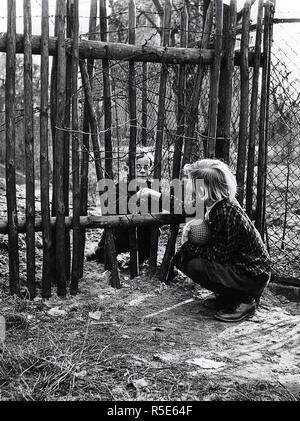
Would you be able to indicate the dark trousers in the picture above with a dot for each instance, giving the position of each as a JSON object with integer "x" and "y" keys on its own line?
{"x": 121, "y": 237}
{"x": 224, "y": 280}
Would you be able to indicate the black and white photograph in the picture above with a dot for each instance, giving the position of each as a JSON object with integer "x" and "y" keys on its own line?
{"x": 150, "y": 203}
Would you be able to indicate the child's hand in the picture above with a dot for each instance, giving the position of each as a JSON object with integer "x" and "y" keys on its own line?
{"x": 145, "y": 192}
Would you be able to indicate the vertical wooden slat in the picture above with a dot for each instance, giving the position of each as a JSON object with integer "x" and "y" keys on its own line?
{"x": 134, "y": 261}
{"x": 75, "y": 274}
{"x": 214, "y": 82}
{"x": 44, "y": 158}
{"x": 192, "y": 114}
{"x": 160, "y": 129}
{"x": 272, "y": 12}
{"x": 67, "y": 141}
{"x": 166, "y": 269}
{"x": 225, "y": 87}
{"x": 262, "y": 151}
{"x": 85, "y": 141}
{"x": 253, "y": 112}
{"x": 244, "y": 107}
{"x": 10, "y": 116}
{"x": 29, "y": 151}
{"x": 92, "y": 118}
{"x": 110, "y": 249}
{"x": 106, "y": 94}
{"x": 181, "y": 106}
{"x": 60, "y": 273}
{"x": 53, "y": 112}
{"x": 144, "y": 103}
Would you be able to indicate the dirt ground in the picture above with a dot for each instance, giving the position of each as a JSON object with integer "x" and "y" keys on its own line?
{"x": 106, "y": 344}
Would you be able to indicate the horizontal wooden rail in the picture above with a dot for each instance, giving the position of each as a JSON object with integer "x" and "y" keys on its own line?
{"x": 108, "y": 221}
{"x": 118, "y": 51}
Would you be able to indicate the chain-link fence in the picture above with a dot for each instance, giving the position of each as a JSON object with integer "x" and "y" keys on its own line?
{"x": 283, "y": 174}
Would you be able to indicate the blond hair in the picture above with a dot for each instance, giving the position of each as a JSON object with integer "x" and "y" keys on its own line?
{"x": 219, "y": 182}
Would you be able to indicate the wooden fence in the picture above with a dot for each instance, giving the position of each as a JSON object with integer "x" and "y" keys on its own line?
{"x": 59, "y": 104}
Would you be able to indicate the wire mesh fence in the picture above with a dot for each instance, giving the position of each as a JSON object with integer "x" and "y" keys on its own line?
{"x": 283, "y": 161}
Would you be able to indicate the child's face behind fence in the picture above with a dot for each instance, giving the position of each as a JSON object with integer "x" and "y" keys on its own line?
{"x": 143, "y": 168}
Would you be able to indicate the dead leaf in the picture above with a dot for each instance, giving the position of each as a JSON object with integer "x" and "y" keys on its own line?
{"x": 81, "y": 374}
{"x": 206, "y": 363}
{"x": 55, "y": 311}
{"x": 140, "y": 383}
{"x": 96, "y": 315}
{"x": 158, "y": 329}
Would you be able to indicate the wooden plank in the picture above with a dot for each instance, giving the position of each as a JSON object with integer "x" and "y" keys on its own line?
{"x": 107, "y": 221}
{"x": 44, "y": 156}
{"x": 75, "y": 272}
{"x": 60, "y": 272}
{"x": 244, "y": 105}
{"x": 214, "y": 82}
{"x": 133, "y": 240}
{"x": 117, "y": 51}
{"x": 166, "y": 269}
{"x": 84, "y": 168}
{"x": 225, "y": 87}
{"x": 192, "y": 114}
{"x": 253, "y": 113}
{"x": 29, "y": 152}
{"x": 160, "y": 129}
{"x": 10, "y": 116}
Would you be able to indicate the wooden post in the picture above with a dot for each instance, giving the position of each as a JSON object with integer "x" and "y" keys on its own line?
{"x": 166, "y": 269}
{"x": 133, "y": 240}
{"x": 59, "y": 152}
{"x": 262, "y": 151}
{"x": 253, "y": 112}
{"x": 85, "y": 141}
{"x": 144, "y": 103}
{"x": 192, "y": 114}
{"x": 106, "y": 94}
{"x": 10, "y": 116}
{"x": 29, "y": 152}
{"x": 225, "y": 87}
{"x": 92, "y": 118}
{"x": 53, "y": 113}
{"x": 214, "y": 82}
{"x": 160, "y": 129}
{"x": 75, "y": 273}
{"x": 67, "y": 140}
{"x": 111, "y": 252}
{"x": 44, "y": 158}
{"x": 244, "y": 108}
{"x": 181, "y": 105}
{"x": 271, "y": 22}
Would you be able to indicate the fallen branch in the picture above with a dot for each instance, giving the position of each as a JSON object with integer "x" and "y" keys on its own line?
{"x": 168, "y": 308}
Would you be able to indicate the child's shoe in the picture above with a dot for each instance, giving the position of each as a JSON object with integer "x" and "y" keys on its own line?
{"x": 236, "y": 312}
